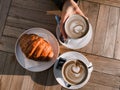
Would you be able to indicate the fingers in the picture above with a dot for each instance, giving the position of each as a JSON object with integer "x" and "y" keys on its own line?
{"x": 79, "y": 11}
{"x": 63, "y": 31}
{"x": 63, "y": 19}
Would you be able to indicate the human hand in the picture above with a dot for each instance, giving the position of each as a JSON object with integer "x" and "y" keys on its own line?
{"x": 70, "y": 7}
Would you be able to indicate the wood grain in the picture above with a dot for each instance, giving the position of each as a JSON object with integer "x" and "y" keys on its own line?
{"x": 105, "y": 65}
{"x": 3, "y": 58}
{"x": 105, "y": 79}
{"x": 94, "y": 86}
{"x": 40, "y": 5}
{"x": 33, "y": 15}
{"x": 91, "y": 10}
{"x": 8, "y": 72}
{"x": 18, "y": 77}
{"x": 108, "y": 2}
{"x": 4, "y": 8}
{"x": 108, "y": 50}
{"x": 7, "y": 44}
{"x": 28, "y": 83}
{"x": 40, "y": 79}
{"x": 26, "y": 24}
{"x": 12, "y": 31}
{"x": 117, "y": 43}
{"x": 51, "y": 83}
{"x": 101, "y": 29}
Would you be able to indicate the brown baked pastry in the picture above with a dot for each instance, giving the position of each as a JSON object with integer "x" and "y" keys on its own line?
{"x": 35, "y": 47}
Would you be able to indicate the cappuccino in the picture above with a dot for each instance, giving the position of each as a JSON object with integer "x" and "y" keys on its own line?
{"x": 76, "y": 26}
{"x": 74, "y": 72}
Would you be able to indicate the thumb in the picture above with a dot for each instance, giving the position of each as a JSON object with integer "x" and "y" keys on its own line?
{"x": 62, "y": 30}
{"x": 64, "y": 17}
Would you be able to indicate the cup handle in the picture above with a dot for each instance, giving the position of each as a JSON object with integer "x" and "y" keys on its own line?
{"x": 68, "y": 85}
{"x": 60, "y": 63}
{"x": 90, "y": 68}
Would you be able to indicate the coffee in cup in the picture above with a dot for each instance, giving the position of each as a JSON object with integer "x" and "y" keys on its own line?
{"x": 74, "y": 72}
{"x": 78, "y": 30}
{"x": 76, "y": 26}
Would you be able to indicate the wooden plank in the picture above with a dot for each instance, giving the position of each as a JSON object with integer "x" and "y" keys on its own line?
{"x": 7, "y": 44}
{"x": 12, "y": 31}
{"x": 101, "y": 29}
{"x": 28, "y": 83}
{"x": 51, "y": 83}
{"x": 33, "y": 15}
{"x": 15, "y": 26}
{"x": 94, "y": 86}
{"x": 117, "y": 43}
{"x": 8, "y": 72}
{"x": 0, "y": 4}
{"x": 108, "y": 50}
{"x": 40, "y": 5}
{"x": 4, "y": 8}
{"x": 18, "y": 77}
{"x": 105, "y": 79}
{"x": 108, "y": 2}
{"x": 91, "y": 11}
{"x": 40, "y": 79}
{"x": 3, "y": 56}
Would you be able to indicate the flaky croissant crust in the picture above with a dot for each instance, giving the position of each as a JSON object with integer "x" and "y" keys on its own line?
{"x": 35, "y": 47}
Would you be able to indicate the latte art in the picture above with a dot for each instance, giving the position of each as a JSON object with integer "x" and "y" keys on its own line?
{"x": 76, "y": 69}
{"x": 74, "y": 72}
{"x": 76, "y": 26}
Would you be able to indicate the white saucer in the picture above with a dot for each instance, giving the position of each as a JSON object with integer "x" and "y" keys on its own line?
{"x": 71, "y": 56}
{"x": 75, "y": 44}
{"x": 37, "y": 66}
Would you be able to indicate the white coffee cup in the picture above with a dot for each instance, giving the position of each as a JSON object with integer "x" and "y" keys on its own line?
{"x": 76, "y": 39}
{"x": 67, "y": 58}
{"x": 74, "y": 72}
{"x": 76, "y": 26}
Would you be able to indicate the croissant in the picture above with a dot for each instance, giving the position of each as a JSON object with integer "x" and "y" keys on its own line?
{"x": 35, "y": 47}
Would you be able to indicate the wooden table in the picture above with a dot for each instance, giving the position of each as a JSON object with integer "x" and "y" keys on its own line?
{"x": 103, "y": 50}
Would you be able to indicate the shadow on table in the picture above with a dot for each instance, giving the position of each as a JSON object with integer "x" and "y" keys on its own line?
{"x": 45, "y": 77}
{"x": 10, "y": 66}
